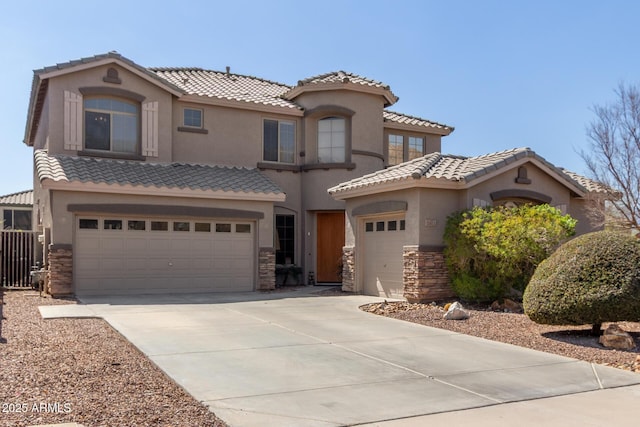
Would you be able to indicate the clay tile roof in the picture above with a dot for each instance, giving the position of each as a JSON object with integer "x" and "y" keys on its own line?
{"x": 223, "y": 85}
{"x": 336, "y": 79}
{"x": 22, "y": 198}
{"x": 446, "y": 167}
{"x": 391, "y": 116}
{"x": 342, "y": 77}
{"x": 159, "y": 175}
{"x": 591, "y": 185}
{"x": 95, "y": 58}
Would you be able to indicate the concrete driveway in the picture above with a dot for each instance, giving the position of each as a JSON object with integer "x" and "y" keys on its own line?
{"x": 296, "y": 359}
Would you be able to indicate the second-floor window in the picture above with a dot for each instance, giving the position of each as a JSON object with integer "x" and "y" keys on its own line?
{"x": 331, "y": 140}
{"x": 416, "y": 147}
{"x": 396, "y": 149}
{"x": 111, "y": 125}
{"x": 192, "y": 118}
{"x": 279, "y": 141}
{"x": 400, "y": 152}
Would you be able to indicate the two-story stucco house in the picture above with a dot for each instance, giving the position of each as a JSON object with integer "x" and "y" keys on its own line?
{"x": 153, "y": 180}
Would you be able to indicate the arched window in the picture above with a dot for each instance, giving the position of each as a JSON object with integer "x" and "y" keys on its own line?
{"x": 331, "y": 140}
{"x": 111, "y": 124}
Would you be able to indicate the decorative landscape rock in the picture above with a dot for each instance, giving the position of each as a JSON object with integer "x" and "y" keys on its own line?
{"x": 456, "y": 312}
{"x": 615, "y": 337}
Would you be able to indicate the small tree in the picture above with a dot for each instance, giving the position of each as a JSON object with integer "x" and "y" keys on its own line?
{"x": 613, "y": 157}
{"x": 491, "y": 250}
{"x": 591, "y": 279}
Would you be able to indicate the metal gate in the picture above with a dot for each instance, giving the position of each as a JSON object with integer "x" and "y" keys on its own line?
{"x": 17, "y": 252}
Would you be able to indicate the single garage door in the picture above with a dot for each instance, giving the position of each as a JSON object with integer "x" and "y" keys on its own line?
{"x": 115, "y": 255}
{"x": 383, "y": 240}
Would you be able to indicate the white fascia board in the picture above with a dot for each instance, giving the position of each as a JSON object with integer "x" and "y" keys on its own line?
{"x": 64, "y": 185}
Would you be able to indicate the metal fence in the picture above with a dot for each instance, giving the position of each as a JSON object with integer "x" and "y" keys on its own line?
{"x": 17, "y": 256}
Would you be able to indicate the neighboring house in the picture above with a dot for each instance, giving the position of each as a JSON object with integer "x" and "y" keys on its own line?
{"x": 16, "y": 210}
{"x": 184, "y": 179}
{"x": 156, "y": 180}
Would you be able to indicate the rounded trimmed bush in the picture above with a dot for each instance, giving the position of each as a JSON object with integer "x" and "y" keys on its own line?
{"x": 591, "y": 279}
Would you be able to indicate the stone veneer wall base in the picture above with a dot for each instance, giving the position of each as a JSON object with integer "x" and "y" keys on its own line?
{"x": 60, "y": 275}
{"x": 425, "y": 275}
{"x": 267, "y": 269}
{"x": 348, "y": 269}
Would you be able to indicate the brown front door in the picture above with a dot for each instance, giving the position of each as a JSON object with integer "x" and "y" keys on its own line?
{"x": 329, "y": 248}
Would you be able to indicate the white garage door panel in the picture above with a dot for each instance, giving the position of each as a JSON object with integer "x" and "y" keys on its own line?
{"x": 383, "y": 264}
{"x": 146, "y": 261}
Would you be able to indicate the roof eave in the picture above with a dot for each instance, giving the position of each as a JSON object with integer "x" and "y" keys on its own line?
{"x": 386, "y": 93}
{"x": 480, "y": 177}
{"x": 119, "y": 60}
{"x": 442, "y": 131}
{"x": 243, "y": 105}
{"x": 397, "y": 184}
{"x": 63, "y": 184}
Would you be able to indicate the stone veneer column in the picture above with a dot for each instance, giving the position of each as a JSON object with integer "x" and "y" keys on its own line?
{"x": 267, "y": 269}
{"x": 60, "y": 275}
{"x": 348, "y": 269}
{"x": 425, "y": 275}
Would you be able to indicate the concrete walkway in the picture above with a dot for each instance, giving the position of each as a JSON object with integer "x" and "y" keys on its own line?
{"x": 296, "y": 359}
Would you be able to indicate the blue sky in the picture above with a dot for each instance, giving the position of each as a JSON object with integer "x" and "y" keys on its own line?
{"x": 504, "y": 73}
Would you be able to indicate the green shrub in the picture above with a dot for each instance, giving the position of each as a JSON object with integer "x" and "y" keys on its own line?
{"x": 491, "y": 250}
{"x": 591, "y": 279}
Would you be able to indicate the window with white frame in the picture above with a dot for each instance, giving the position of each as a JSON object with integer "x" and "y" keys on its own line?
{"x": 331, "y": 140}
{"x": 416, "y": 147}
{"x": 111, "y": 124}
{"x": 192, "y": 118}
{"x": 396, "y": 149}
{"x": 279, "y": 141}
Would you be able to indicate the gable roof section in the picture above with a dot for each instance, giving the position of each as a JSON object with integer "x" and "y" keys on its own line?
{"x": 438, "y": 170}
{"x": 176, "y": 179}
{"x": 341, "y": 80}
{"x": 404, "y": 121}
{"x": 22, "y": 199}
{"x": 226, "y": 86}
{"x": 41, "y": 82}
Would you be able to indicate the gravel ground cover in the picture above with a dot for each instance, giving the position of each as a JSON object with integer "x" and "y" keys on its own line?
{"x": 81, "y": 370}
{"x": 517, "y": 329}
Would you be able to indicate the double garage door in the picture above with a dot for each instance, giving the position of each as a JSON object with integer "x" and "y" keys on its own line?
{"x": 383, "y": 239}
{"x": 119, "y": 255}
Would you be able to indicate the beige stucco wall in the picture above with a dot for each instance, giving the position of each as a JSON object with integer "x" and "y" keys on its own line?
{"x": 578, "y": 209}
{"x": 541, "y": 182}
{"x": 235, "y": 136}
{"x": 435, "y": 206}
{"x": 93, "y": 78}
{"x": 41, "y": 139}
{"x": 63, "y": 225}
{"x": 366, "y": 123}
